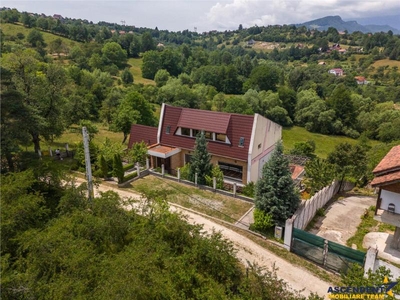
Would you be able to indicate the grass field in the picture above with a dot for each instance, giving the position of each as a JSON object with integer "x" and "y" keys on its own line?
{"x": 223, "y": 207}
{"x": 386, "y": 62}
{"x": 324, "y": 143}
{"x": 12, "y": 29}
{"x": 135, "y": 68}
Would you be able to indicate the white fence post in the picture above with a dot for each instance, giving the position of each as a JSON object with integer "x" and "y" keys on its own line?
{"x": 195, "y": 179}
{"x": 179, "y": 174}
{"x": 138, "y": 170}
{"x": 234, "y": 189}
{"x": 370, "y": 258}
{"x": 147, "y": 163}
{"x": 214, "y": 183}
{"x": 287, "y": 241}
{"x": 162, "y": 170}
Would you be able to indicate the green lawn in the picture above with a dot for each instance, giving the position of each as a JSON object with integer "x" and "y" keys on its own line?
{"x": 222, "y": 207}
{"x": 324, "y": 143}
{"x": 13, "y": 29}
{"x": 135, "y": 67}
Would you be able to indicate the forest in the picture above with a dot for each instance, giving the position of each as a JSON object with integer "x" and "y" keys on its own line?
{"x": 59, "y": 74}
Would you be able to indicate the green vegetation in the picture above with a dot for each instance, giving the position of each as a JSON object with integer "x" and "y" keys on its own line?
{"x": 212, "y": 204}
{"x": 368, "y": 224}
{"x": 136, "y": 70}
{"x": 275, "y": 193}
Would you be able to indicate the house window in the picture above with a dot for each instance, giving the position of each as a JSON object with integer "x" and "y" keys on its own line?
{"x": 168, "y": 129}
{"x": 241, "y": 142}
{"x": 220, "y": 137}
{"x": 231, "y": 171}
{"x": 195, "y": 132}
{"x": 208, "y": 135}
{"x": 185, "y": 131}
{"x": 188, "y": 158}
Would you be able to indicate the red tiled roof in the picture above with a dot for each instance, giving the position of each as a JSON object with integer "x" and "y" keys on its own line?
{"x": 296, "y": 171}
{"x": 238, "y": 126}
{"x": 386, "y": 179}
{"x": 390, "y": 162}
{"x": 140, "y": 133}
{"x": 204, "y": 120}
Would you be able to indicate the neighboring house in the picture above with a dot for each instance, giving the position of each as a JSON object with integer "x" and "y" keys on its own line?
{"x": 57, "y": 17}
{"x": 387, "y": 179}
{"x": 239, "y": 144}
{"x": 361, "y": 80}
{"x": 336, "y": 72}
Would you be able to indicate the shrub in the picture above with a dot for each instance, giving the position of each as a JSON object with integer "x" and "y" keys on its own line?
{"x": 248, "y": 189}
{"x": 118, "y": 169}
{"x": 128, "y": 167}
{"x": 217, "y": 173}
{"x": 185, "y": 172}
{"x": 130, "y": 176}
{"x": 262, "y": 220}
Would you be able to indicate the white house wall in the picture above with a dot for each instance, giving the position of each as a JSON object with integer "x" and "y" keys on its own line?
{"x": 267, "y": 134}
{"x": 390, "y": 197}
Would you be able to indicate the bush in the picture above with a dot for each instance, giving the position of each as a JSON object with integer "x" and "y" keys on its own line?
{"x": 128, "y": 167}
{"x": 217, "y": 173}
{"x": 118, "y": 169}
{"x": 262, "y": 221}
{"x": 248, "y": 189}
{"x": 185, "y": 172}
{"x": 130, "y": 176}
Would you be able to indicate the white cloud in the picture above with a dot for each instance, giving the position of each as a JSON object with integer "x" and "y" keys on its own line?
{"x": 260, "y": 12}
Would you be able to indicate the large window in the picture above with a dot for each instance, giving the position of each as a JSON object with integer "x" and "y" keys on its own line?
{"x": 188, "y": 158}
{"x": 220, "y": 137}
{"x": 231, "y": 171}
{"x": 185, "y": 131}
{"x": 208, "y": 135}
{"x": 195, "y": 132}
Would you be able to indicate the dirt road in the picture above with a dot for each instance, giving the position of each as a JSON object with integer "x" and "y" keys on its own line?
{"x": 247, "y": 250}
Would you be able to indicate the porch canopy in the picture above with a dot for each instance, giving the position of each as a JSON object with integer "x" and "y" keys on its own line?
{"x": 162, "y": 151}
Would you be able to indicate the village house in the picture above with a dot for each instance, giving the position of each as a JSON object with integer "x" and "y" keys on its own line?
{"x": 336, "y": 72}
{"x": 387, "y": 180}
{"x": 239, "y": 144}
{"x": 361, "y": 80}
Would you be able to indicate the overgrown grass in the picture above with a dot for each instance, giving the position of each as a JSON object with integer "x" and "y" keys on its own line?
{"x": 222, "y": 207}
{"x": 386, "y": 62}
{"x": 135, "y": 65}
{"x": 324, "y": 143}
{"x": 368, "y": 224}
{"x": 13, "y": 29}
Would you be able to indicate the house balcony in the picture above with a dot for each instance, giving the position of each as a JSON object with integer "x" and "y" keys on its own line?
{"x": 387, "y": 217}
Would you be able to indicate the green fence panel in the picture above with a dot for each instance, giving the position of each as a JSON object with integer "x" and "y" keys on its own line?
{"x": 308, "y": 237}
{"x": 349, "y": 253}
{"x": 309, "y": 251}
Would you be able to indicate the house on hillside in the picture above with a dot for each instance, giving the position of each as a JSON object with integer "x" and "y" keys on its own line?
{"x": 57, "y": 17}
{"x": 336, "y": 72}
{"x": 361, "y": 80}
{"x": 387, "y": 180}
{"x": 251, "y": 42}
{"x": 239, "y": 144}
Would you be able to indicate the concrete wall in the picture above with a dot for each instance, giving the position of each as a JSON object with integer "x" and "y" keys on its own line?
{"x": 390, "y": 197}
{"x": 266, "y": 135}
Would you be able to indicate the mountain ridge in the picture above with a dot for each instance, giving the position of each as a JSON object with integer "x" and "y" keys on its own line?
{"x": 351, "y": 26}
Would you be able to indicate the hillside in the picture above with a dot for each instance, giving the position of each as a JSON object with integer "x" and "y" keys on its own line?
{"x": 351, "y": 26}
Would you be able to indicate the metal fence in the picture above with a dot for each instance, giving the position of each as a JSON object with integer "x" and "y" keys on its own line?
{"x": 330, "y": 255}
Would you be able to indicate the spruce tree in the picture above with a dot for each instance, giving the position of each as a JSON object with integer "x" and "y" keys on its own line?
{"x": 118, "y": 168}
{"x": 200, "y": 162}
{"x": 275, "y": 192}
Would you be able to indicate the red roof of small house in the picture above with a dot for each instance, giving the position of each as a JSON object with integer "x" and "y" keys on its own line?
{"x": 234, "y": 126}
{"x": 390, "y": 163}
{"x": 359, "y": 78}
{"x": 386, "y": 179}
{"x": 296, "y": 171}
{"x": 139, "y": 133}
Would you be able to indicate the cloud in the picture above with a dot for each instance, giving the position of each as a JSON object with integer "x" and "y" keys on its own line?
{"x": 225, "y": 15}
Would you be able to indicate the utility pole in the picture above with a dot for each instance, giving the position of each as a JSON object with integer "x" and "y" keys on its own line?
{"x": 87, "y": 163}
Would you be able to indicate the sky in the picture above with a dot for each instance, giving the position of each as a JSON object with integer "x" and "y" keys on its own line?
{"x": 206, "y": 15}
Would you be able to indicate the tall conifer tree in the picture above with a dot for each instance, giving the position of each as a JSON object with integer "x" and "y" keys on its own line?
{"x": 275, "y": 191}
{"x": 200, "y": 162}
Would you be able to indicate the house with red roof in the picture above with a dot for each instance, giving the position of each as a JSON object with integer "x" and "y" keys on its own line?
{"x": 239, "y": 144}
{"x": 387, "y": 180}
{"x": 336, "y": 72}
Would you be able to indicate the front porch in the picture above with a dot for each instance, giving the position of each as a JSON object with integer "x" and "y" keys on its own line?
{"x": 161, "y": 155}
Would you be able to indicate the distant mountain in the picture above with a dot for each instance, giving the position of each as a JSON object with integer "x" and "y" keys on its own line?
{"x": 393, "y": 21}
{"x": 350, "y": 26}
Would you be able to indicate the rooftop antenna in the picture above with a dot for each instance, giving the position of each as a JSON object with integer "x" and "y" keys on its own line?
{"x": 123, "y": 22}
{"x": 195, "y": 29}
